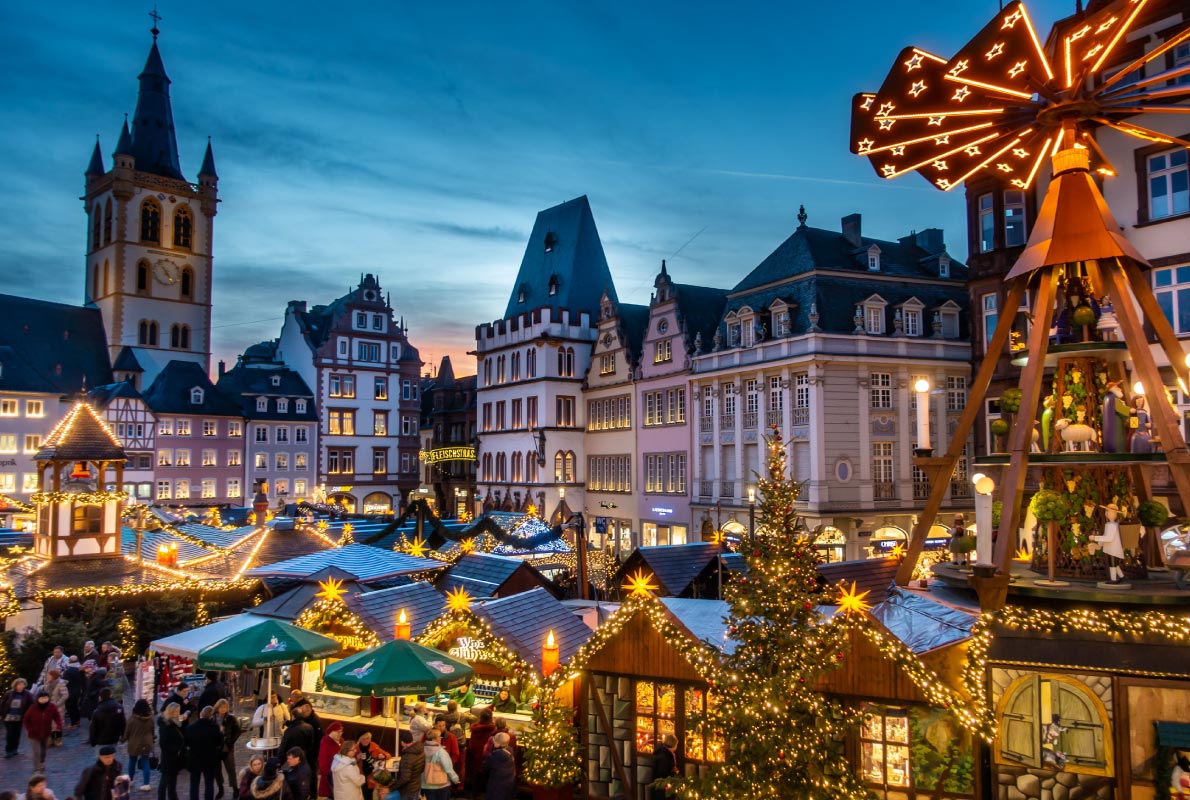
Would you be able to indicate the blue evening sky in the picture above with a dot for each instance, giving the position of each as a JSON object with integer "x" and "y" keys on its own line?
{"x": 417, "y": 140}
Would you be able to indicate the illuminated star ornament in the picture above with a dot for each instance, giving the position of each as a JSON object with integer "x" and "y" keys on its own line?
{"x": 330, "y": 589}
{"x": 1007, "y": 101}
{"x": 467, "y": 545}
{"x": 457, "y": 599}
{"x": 640, "y": 584}
{"x": 417, "y": 548}
{"x": 852, "y": 601}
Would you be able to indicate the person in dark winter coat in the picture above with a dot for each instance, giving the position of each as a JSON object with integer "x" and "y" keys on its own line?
{"x": 181, "y": 696}
{"x": 212, "y": 692}
{"x": 271, "y": 785}
{"x": 500, "y": 769}
{"x": 107, "y": 721}
{"x": 172, "y": 741}
{"x": 307, "y": 734}
{"x": 96, "y": 681}
{"x": 249, "y": 774}
{"x": 97, "y": 780}
{"x": 230, "y": 727}
{"x": 204, "y": 753}
{"x": 299, "y": 778}
{"x": 13, "y": 705}
{"x": 665, "y": 765}
{"x": 40, "y": 721}
{"x": 75, "y": 683}
{"x": 407, "y": 781}
{"x": 139, "y": 736}
{"x": 481, "y": 733}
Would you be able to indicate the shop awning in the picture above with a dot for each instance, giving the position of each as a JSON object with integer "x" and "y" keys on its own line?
{"x": 188, "y": 643}
{"x": 1173, "y": 734}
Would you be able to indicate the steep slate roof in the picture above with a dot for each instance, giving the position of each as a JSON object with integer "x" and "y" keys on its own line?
{"x": 700, "y": 308}
{"x": 634, "y": 323}
{"x": 706, "y": 620}
{"x": 873, "y": 575}
{"x": 154, "y": 141}
{"x": 421, "y": 601}
{"x": 247, "y": 383}
{"x": 187, "y": 551}
{"x": 51, "y": 348}
{"x": 290, "y": 604}
{"x": 675, "y": 566}
{"x": 81, "y": 436}
{"x": 523, "y": 621}
{"x": 482, "y": 574}
{"x": 366, "y": 563}
{"x": 575, "y": 257}
{"x": 789, "y": 273}
{"x": 126, "y": 361}
{"x": 102, "y": 396}
{"x": 170, "y": 392}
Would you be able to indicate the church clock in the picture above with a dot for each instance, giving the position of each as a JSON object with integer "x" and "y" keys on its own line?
{"x": 166, "y": 272}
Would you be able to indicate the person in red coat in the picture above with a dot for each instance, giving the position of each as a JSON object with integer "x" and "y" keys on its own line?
{"x": 40, "y": 721}
{"x": 481, "y": 734}
{"x": 328, "y": 748}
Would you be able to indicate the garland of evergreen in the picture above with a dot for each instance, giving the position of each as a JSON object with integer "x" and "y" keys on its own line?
{"x": 482, "y": 525}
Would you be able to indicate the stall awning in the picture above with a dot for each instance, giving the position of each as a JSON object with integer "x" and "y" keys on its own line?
{"x": 188, "y": 643}
{"x": 1173, "y": 734}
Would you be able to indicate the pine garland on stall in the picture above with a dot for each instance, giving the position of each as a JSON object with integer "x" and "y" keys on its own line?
{"x": 785, "y": 739}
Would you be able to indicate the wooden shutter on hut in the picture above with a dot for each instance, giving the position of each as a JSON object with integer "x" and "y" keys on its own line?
{"x": 1020, "y": 734}
{"x": 1083, "y": 740}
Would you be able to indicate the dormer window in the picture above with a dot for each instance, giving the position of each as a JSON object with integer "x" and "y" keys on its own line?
{"x": 275, "y": 380}
{"x": 944, "y": 266}
{"x": 873, "y": 259}
{"x": 262, "y": 404}
{"x": 873, "y": 314}
{"x": 196, "y": 396}
{"x": 911, "y": 316}
{"x": 299, "y": 406}
{"x": 551, "y": 240}
{"x": 282, "y": 405}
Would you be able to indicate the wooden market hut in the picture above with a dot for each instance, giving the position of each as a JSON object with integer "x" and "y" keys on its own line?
{"x": 645, "y": 681}
{"x": 681, "y": 570}
{"x": 484, "y": 575}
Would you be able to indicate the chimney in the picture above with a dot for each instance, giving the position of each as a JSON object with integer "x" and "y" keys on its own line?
{"x": 851, "y": 230}
{"x": 222, "y": 367}
{"x": 930, "y": 240}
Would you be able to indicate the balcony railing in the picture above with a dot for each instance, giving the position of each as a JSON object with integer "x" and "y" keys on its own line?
{"x": 750, "y": 418}
{"x": 801, "y": 416}
{"x": 884, "y": 491}
{"x": 727, "y": 489}
{"x": 706, "y": 489}
{"x": 727, "y": 422}
{"x": 960, "y": 489}
{"x": 706, "y": 424}
{"x": 921, "y": 490}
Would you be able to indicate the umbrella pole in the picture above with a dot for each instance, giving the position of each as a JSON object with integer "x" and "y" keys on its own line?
{"x": 270, "y": 720}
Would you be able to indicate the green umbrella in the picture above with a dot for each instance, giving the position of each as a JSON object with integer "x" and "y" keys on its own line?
{"x": 396, "y": 668}
{"x": 270, "y": 644}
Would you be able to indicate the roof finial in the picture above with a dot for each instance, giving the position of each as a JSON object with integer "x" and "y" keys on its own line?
{"x": 802, "y": 216}
{"x": 153, "y": 15}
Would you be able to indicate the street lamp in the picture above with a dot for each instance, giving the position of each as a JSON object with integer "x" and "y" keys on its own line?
{"x": 751, "y": 513}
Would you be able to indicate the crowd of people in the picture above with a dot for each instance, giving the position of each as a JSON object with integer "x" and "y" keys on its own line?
{"x": 458, "y": 751}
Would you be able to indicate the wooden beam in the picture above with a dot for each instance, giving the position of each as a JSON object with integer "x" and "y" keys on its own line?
{"x": 1145, "y": 365}
{"x": 939, "y": 469}
{"x": 629, "y": 787}
{"x": 1021, "y": 436}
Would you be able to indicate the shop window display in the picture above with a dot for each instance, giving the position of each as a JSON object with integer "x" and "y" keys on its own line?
{"x": 884, "y": 746}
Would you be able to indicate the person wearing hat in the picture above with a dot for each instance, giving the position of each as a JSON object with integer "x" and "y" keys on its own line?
{"x": 328, "y": 748}
{"x": 13, "y": 705}
{"x": 1112, "y": 545}
{"x": 99, "y": 780}
{"x": 270, "y": 784}
{"x": 41, "y": 720}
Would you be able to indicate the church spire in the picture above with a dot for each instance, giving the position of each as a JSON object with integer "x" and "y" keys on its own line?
{"x": 154, "y": 142}
{"x": 124, "y": 143}
{"x": 96, "y": 165}
{"x": 208, "y": 162}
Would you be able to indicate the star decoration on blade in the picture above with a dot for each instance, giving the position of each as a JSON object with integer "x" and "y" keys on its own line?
{"x": 417, "y": 548}
{"x": 330, "y": 589}
{"x": 1003, "y": 101}
{"x": 852, "y": 601}
{"x": 640, "y": 584}
{"x": 457, "y": 599}
{"x": 467, "y": 545}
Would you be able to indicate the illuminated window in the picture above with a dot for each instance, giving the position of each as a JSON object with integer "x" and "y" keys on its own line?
{"x": 32, "y": 442}
{"x": 341, "y": 422}
{"x": 299, "y": 461}
{"x": 8, "y": 443}
{"x": 379, "y": 392}
{"x": 8, "y": 408}
{"x": 208, "y": 488}
{"x": 663, "y": 351}
{"x": 987, "y": 222}
{"x": 182, "y": 489}
{"x": 29, "y": 482}
{"x": 184, "y": 424}
{"x": 8, "y": 482}
{"x": 282, "y": 462}
{"x": 150, "y": 222}
{"x": 880, "y": 390}
{"x": 233, "y": 487}
{"x": 182, "y": 458}
{"x": 234, "y": 429}
{"x": 164, "y": 489}
{"x": 380, "y": 423}
{"x": 884, "y": 746}
{"x": 1169, "y": 184}
{"x": 233, "y": 458}
{"x": 86, "y": 520}
{"x": 165, "y": 458}
{"x": 299, "y": 487}
{"x": 34, "y": 408}
{"x": 531, "y": 363}
{"x": 607, "y": 364}
{"x": 209, "y": 458}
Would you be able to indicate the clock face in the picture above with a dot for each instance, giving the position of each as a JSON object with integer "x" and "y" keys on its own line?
{"x": 166, "y": 272}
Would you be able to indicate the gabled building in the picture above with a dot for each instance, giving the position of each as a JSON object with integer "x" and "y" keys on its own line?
{"x": 355, "y": 356}
{"x": 149, "y": 237}
{"x": 281, "y": 442}
{"x": 131, "y": 419}
{"x": 531, "y": 367}
{"x": 448, "y": 431}
{"x": 200, "y": 438}
{"x": 49, "y": 352}
{"x": 825, "y": 339}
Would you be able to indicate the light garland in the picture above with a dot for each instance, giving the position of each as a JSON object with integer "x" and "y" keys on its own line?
{"x": 7, "y": 502}
{"x": 329, "y": 612}
{"x": 157, "y": 587}
{"x": 127, "y": 634}
{"x": 451, "y": 621}
{"x": 97, "y": 498}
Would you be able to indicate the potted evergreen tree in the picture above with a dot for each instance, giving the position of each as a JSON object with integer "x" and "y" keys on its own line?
{"x": 552, "y": 763}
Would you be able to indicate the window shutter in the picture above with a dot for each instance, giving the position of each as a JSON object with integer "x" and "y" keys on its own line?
{"x": 1083, "y": 740}
{"x": 1020, "y": 733}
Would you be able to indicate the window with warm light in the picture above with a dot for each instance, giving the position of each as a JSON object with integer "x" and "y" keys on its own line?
{"x": 32, "y": 442}
{"x": 8, "y": 408}
{"x": 880, "y": 390}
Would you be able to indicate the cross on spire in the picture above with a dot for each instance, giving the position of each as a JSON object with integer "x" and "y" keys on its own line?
{"x": 153, "y": 15}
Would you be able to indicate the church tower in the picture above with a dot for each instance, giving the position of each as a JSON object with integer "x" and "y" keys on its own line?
{"x": 150, "y": 236}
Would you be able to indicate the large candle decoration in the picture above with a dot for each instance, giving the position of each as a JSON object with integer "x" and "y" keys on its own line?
{"x": 402, "y": 628}
{"x": 922, "y": 387}
{"x": 549, "y": 655}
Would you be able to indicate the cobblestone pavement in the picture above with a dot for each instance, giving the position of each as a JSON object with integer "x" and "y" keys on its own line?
{"x": 64, "y": 765}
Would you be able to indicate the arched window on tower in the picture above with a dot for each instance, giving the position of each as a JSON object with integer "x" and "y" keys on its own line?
{"x": 517, "y": 467}
{"x": 150, "y": 222}
{"x": 183, "y": 228}
{"x": 187, "y": 283}
{"x": 109, "y": 222}
{"x": 96, "y": 226}
{"x": 147, "y": 333}
{"x": 179, "y": 337}
{"x": 142, "y": 277}
{"x": 531, "y": 363}
{"x": 531, "y": 466}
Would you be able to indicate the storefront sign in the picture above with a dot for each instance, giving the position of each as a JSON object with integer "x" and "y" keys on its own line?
{"x": 661, "y": 511}
{"x": 447, "y": 454}
{"x": 887, "y": 545}
{"x": 339, "y": 489}
{"x": 468, "y": 649}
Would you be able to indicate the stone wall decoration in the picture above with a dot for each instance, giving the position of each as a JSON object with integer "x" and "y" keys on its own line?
{"x": 884, "y": 425}
{"x": 843, "y": 470}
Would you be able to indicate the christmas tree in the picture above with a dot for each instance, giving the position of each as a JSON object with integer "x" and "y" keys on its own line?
{"x": 784, "y": 738}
